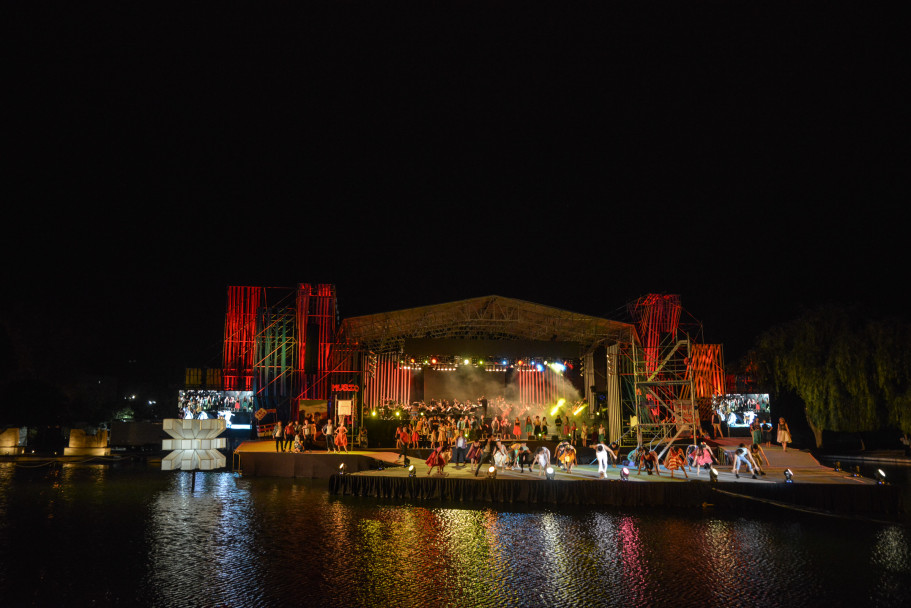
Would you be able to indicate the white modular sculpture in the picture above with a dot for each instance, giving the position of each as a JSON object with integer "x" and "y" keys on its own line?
{"x": 195, "y": 444}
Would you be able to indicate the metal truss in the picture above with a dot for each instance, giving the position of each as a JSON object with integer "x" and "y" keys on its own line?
{"x": 488, "y": 318}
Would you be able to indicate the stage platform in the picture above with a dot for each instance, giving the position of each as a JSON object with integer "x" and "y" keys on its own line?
{"x": 378, "y": 474}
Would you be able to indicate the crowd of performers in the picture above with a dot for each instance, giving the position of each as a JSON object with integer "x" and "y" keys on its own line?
{"x": 515, "y": 456}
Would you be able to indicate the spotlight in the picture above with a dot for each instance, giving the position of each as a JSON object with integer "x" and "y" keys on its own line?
{"x": 624, "y": 474}
{"x": 373, "y": 413}
{"x": 837, "y": 466}
{"x": 342, "y": 469}
{"x": 411, "y": 471}
{"x": 788, "y": 476}
{"x": 880, "y": 477}
{"x": 713, "y": 475}
{"x": 492, "y": 472}
{"x": 549, "y": 473}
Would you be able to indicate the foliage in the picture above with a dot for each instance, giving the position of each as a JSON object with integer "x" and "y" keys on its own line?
{"x": 852, "y": 373}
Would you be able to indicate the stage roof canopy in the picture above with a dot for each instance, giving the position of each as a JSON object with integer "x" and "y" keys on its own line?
{"x": 488, "y": 318}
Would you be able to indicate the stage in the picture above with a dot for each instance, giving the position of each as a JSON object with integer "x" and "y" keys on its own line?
{"x": 377, "y": 474}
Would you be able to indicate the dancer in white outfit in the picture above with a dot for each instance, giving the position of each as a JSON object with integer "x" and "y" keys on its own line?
{"x": 542, "y": 459}
{"x": 601, "y": 452}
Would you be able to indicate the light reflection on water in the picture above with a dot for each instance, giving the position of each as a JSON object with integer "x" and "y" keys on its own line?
{"x": 102, "y": 536}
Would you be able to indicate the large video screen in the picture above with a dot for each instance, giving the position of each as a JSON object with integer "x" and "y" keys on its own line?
{"x": 236, "y": 407}
{"x": 740, "y": 410}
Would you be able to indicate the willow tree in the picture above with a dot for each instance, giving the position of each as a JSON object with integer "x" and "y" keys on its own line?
{"x": 852, "y": 373}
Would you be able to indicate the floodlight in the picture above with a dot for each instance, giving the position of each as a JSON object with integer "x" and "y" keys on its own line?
{"x": 549, "y": 473}
{"x": 411, "y": 471}
{"x": 373, "y": 413}
{"x": 342, "y": 469}
{"x": 788, "y": 476}
{"x": 880, "y": 476}
{"x": 624, "y": 474}
{"x": 492, "y": 472}
{"x": 713, "y": 475}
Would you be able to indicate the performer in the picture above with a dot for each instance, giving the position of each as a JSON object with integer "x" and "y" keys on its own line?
{"x": 566, "y": 455}
{"x": 524, "y": 457}
{"x": 703, "y": 457}
{"x": 474, "y": 452}
{"x": 517, "y": 428}
{"x": 278, "y": 434}
{"x": 716, "y": 425}
{"x": 676, "y": 460}
{"x": 500, "y": 456}
{"x": 404, "y": 440}
{"x": 650, "y": 462}
{"x": 784, "y": 434}
{"x": 758, "y": 455}
{"x": 542, "y": 459}
{"x": 601, "y": 453}
{"x": 742, "y": 456}
{"x": 486, "y": 455}
{"x": 341, "y": 439}
{"x": 437, "y": 459}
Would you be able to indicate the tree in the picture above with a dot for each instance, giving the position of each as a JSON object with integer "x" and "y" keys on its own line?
{"x": 853, "y": 373}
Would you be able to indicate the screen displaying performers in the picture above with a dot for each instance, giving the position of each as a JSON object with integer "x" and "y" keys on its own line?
{"x": 236, "y": 407}
{"x": 741, "y": 409}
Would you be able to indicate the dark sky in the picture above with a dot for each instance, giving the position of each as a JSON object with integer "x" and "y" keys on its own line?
{"x": 752, "y": 159}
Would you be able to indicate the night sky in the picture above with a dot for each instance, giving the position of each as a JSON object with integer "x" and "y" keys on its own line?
{"x": 752, "y": 159}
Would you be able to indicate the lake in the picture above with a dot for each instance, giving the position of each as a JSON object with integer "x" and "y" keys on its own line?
{"x": 131, "y": 535}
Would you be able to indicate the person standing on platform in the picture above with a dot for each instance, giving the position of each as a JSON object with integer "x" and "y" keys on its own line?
{"x": 329, "y": 433}
{"x": 537, "y": 427}
{"x": 308, "y": 435}
{"x": 289, "y": 436}
{"x": 278, "y": 433}
{"x": 784, "y": 434}
{"x": 558, "y": 427}
{"x": 601, "y": 434}
{"x": 544, "y": 428}
{"x": 404, "y": 440}
{"x": 529, "y": 428}
{"x": 341, "y": 439}
{"x": 474, "y": 452}
{"x": 460, "y": 449}
{"x": 756, "y": 431}
{"x": 517, "y": 428}
{"x": 716, "y": 425}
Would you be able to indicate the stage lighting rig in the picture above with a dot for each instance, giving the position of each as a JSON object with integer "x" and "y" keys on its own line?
{"x": 624, "y": 474}
{"x": 549, "y": 473}
{"x": 411, "y": 471}
{"x": 788, "y": 476}
{"x": 492, "y": 472}
{"x": 713, "y": 475}
{"x": 880, "y": 477}
{"x": 342, "y": 469}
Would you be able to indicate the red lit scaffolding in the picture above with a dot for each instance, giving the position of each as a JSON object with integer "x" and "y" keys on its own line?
{"x": 240, "y": 337}
{"x": 316, "y": 305}
{"x": 389, "y": 382}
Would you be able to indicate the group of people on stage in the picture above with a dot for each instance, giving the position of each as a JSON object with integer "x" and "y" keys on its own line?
{"x": 433, "y": 431}
{"x": 300, "y": 437}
